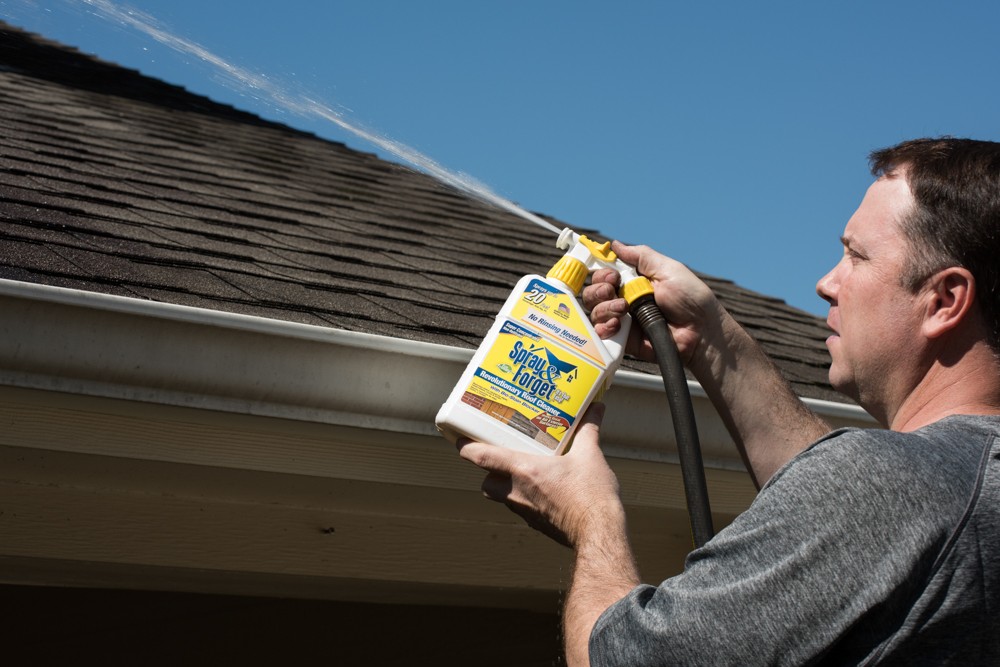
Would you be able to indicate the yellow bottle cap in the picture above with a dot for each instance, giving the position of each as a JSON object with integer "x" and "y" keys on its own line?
{"x": 571, "y": 271}
{"x": 635, "y": 288}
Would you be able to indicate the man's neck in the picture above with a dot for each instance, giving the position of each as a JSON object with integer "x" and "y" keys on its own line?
{"x": 969, "y": 387}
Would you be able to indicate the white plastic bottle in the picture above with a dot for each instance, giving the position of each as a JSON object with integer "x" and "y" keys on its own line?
{"x": 541, "y": 363}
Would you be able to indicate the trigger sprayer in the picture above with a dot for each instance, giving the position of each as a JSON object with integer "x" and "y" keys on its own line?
{"x": 542, "y": 363}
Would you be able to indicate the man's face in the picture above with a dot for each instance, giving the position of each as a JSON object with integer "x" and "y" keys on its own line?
{"x": 874, "y": 318}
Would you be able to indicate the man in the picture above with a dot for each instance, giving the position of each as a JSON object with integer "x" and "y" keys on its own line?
{"x": 863, "y": 546}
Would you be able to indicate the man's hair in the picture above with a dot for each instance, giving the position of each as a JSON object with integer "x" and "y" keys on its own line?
{"x": 956, "y": 220}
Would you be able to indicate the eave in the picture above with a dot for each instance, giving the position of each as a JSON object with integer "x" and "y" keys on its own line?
{"x": 94, "y": 344}
{"x": 285, "y": 459}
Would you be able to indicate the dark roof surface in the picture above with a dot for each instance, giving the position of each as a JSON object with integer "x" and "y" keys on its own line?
{"x": 114, "y": 182}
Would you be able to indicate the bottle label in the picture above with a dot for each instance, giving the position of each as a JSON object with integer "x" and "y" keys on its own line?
{"x": 558, "y": 315}
{"x": 538, "y": 371}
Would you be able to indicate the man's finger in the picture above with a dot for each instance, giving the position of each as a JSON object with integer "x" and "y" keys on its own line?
{"x": 627, "y": 253}
{"x": 588, "y": 431}
{"x": 487, "y": 457}
{"x": 597, "y": 293}
{"x": 604, "y": 311}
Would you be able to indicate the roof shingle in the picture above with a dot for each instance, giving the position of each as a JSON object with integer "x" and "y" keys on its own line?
{"x": 114, "y": 182}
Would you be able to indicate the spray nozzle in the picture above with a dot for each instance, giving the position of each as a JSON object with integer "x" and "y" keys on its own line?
{"x": 584, "y": 255}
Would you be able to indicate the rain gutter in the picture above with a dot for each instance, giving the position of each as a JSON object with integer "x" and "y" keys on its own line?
{"x": 80, "y": 342}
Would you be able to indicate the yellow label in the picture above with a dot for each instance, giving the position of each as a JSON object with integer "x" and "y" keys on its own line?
{"x": 557, "y": 315}
{"x": 530, "y": 382}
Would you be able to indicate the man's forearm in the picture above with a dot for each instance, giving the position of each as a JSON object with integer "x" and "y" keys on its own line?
{"x": 605, "y": 571}
{"x": 765, "y": 418}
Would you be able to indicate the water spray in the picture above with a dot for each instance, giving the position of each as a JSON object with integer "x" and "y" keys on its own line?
{"x": 305, "y": 105}
{"x": 543, "y": 314}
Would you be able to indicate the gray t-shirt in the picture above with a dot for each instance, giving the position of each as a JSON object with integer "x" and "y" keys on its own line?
{"x": 870, "y": 547}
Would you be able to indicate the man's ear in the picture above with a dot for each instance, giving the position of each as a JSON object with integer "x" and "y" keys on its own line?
{"x": 949, "y": 296}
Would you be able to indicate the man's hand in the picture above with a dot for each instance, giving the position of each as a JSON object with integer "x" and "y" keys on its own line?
{"x": 566, "y": 497}
{"x": 575, "y": 499}
{"x": 688, "y": 303}
{"x": 766, "y": 420}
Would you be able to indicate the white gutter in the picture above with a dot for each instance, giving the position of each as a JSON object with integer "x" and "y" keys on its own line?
{"x": 80, "y": 342}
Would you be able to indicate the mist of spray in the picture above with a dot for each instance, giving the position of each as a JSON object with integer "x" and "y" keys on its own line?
{"x": 304, "y": 105}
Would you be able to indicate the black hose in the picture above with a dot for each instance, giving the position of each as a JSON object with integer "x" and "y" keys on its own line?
{"x": 650, "y": 318}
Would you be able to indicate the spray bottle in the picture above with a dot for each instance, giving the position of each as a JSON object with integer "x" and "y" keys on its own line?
{"x": 541, "y": 363}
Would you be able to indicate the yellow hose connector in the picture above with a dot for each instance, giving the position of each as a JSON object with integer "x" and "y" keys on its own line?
{"x": 635, "y": 288}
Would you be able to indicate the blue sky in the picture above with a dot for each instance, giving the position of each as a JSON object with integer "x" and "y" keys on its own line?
{"x": 731, "y": 135}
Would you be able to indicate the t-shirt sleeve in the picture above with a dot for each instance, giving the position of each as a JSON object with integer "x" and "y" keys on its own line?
{"x": 837, "y": 534}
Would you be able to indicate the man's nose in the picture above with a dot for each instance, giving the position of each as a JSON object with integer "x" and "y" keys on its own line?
{"x": 826, "y": 287}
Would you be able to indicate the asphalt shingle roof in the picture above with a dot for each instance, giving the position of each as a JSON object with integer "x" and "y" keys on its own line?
{"x": 114, "y": 182}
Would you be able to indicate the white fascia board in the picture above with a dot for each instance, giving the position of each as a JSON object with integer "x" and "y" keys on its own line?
{"x": 93, "y": 344}
{"x": 827, "y": 409}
